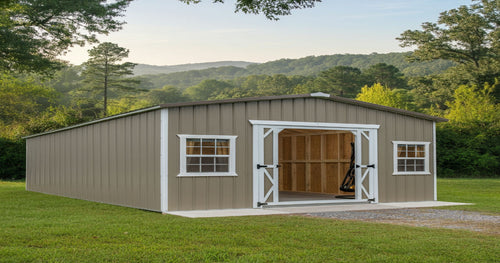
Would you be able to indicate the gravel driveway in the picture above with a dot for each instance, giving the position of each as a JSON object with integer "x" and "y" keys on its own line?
{"x": 436, "y": 218}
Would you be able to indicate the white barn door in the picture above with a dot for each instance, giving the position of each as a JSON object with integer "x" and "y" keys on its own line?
{"x": 366, "y": 165}
{"x": 266, "y": 164}
{"x": 265, "y": 160}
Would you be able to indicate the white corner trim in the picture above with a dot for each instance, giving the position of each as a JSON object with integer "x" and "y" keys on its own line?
{"x": 314, "y": 125}
{"x": 320, "y": 94}
{"x": 164, "y": 160}
{"x": 434, "y": 158}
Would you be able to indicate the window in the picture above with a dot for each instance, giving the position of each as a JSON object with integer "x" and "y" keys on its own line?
{"x": 207, "y": 155}
{"x": 411, "y": 157}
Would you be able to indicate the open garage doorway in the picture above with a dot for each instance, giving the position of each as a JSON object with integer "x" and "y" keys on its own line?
{"x": 306, "y": 163}
{"x": 314, "y": 164}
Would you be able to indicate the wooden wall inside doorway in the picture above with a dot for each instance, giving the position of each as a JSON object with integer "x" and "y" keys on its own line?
{"x": 313, "y": 160}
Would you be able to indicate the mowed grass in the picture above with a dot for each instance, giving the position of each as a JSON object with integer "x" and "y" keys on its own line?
{"x": 36, "y": 227}
{"x": 483, "y": 193}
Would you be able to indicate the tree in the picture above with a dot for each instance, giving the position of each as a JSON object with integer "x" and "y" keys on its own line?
{"x": 20, "y": 100}
{"x": 464, "y": 35}
{"x": 387, "y": 75}
{"x": 339, "y": 80}
{"x": 378, "y": 94}
{"x": 469, "y": 144}
{"x": 270, "y": 8}
{"x": 474, "y": 108}
{"x": 34, "y": 32}
{"x": 103, "y": 73}
{"x": 275, "y": 85}
{"x": 168, "y": 94}
{"x": 467, "y": 35}
{"x": 207, "y": 89}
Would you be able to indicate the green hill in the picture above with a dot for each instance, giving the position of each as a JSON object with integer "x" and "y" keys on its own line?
{"x": 308, "y": 66}
{"x": 144, "y": 69}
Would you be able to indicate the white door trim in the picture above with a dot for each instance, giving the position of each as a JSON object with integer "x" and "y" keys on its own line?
{"x": 277, "y": 126}
{"x": 314, "y": 125}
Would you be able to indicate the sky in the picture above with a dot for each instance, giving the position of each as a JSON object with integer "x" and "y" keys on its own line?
{"x": 169, "y": 32}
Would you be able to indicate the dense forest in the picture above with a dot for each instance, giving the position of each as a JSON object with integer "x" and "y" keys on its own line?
{"x": 452, "y": 73}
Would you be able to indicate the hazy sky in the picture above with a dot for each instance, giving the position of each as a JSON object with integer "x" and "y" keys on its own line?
{"x": 168, "y": 32}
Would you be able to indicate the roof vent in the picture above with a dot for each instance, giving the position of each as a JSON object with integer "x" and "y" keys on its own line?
{"x": 320, "y": 94}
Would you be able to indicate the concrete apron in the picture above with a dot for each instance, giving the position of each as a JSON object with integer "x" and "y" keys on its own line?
{"x": 286, "y": 210}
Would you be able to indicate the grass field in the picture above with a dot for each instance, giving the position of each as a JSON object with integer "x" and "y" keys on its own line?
{"x": 42, "y": 228}
{"x": 484, "y": 193}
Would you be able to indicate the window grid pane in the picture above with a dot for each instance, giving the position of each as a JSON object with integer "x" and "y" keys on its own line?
{"x": 411, "y": 158}
{"x": 207, "y": 155}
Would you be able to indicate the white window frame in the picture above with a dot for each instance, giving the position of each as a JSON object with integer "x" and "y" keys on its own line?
{"x": 426, "y": 158}
{"x": 232, "y": 155}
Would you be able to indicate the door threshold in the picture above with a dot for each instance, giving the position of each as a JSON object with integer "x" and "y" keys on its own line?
{"x": 316, "y": 202}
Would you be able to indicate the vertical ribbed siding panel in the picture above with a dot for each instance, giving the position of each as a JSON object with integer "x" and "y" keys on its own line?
{"x": 417, "y": 181}
{"x": 200, "y": 194}
{"x": 106, "y": 162}
{"x": 120, "y": 163}
{"x": 242, "y": 193}
{"x": 410, "y": 182}
{"x": 173, "y": 159}
{"x": 225, "y": 198}
{"x": 186, "y": 126}
{"x": 400, "y": 180}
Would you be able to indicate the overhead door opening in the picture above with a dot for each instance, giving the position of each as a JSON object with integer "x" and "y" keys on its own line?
{"x": 314, "y": 163}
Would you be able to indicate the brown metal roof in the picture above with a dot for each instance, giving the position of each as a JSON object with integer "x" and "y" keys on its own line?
{"x": 314, "y": 95}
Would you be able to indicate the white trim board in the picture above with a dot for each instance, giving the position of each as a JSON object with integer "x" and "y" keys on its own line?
{"x": 164, "y": 160}
{"x": 314, "y": 125}
{"x": 434, "y": 158}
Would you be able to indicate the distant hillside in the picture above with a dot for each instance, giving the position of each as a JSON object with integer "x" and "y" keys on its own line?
{"x": 308, "y": 66}
{"x": 312, "y": 65}
{"x": 143, "y": 69}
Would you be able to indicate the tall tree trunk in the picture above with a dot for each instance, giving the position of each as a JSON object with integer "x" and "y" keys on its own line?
{"x": 105, "y": 89}
{"x": 105, "y": 96}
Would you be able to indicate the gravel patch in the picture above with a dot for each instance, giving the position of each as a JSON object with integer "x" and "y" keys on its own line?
{"x": 436, "y": 218}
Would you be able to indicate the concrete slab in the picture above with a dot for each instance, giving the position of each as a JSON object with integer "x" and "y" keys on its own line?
{"x": 308, "y": 209}
{"x": 227, "y": 212}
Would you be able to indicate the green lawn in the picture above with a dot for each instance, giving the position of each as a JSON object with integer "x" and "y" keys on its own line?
{"x": 41, "y": 228}
{"x": 484, "y": 193}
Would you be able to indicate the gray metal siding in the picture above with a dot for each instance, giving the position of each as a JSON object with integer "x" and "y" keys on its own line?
{"x": 115, "y": 161}
{"x": 188, "y": 193}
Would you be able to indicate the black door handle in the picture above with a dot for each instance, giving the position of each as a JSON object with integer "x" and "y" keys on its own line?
{"x": 261, "y": 166}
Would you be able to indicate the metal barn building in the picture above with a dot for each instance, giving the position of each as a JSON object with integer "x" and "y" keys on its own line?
{"x": 241, "y": 153}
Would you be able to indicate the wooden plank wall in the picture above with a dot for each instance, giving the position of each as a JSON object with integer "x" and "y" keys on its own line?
{"x": 314, "y": 160}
